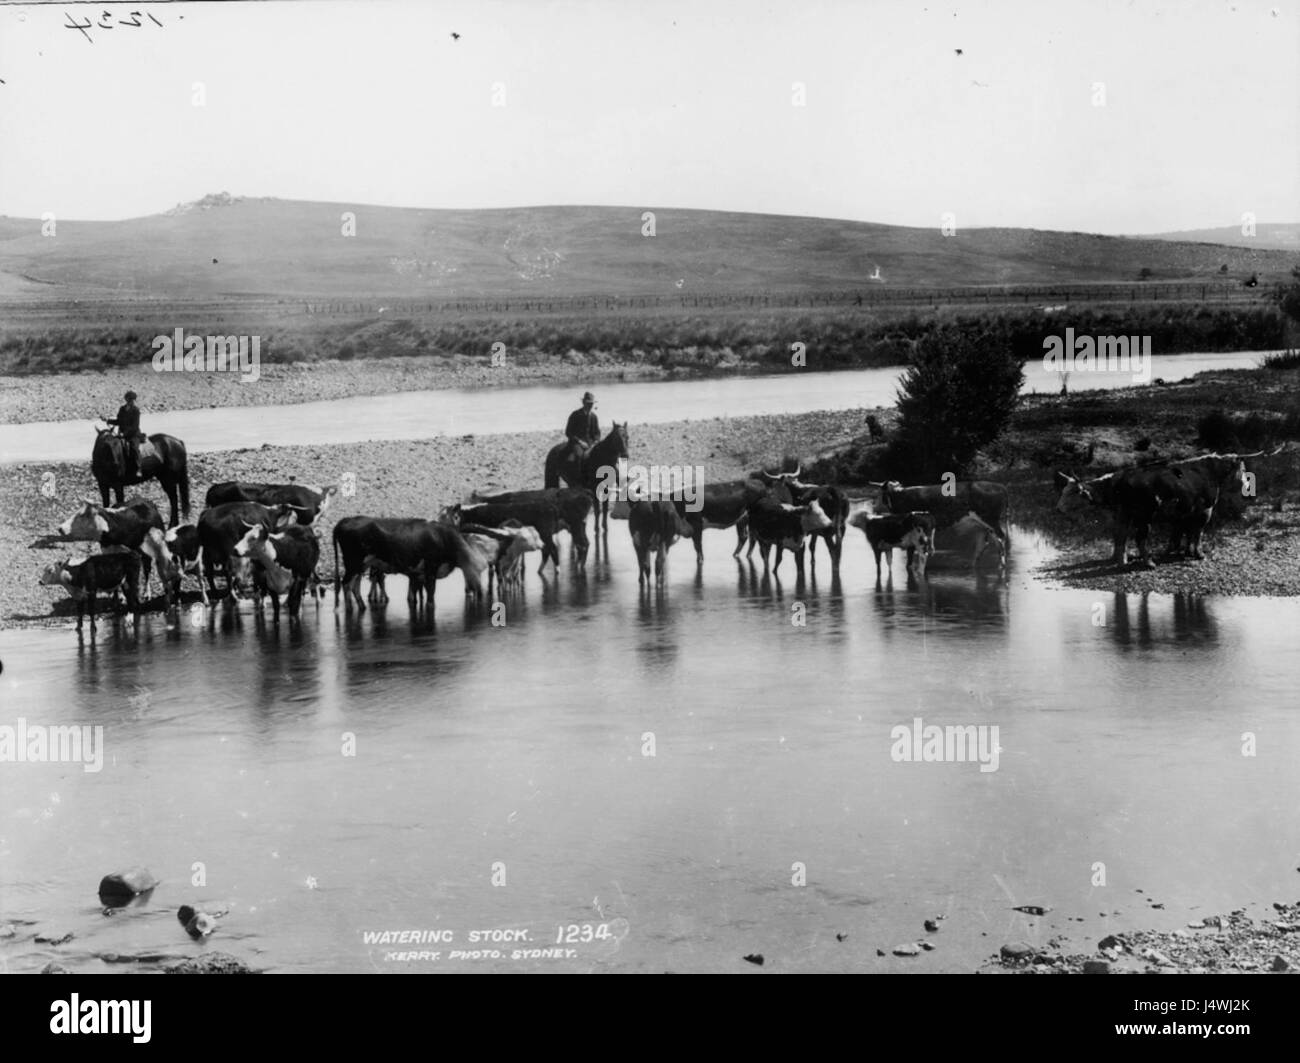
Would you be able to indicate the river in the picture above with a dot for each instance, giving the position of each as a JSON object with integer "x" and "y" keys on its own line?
{"x": 663, "y": 780}
{"x": 424, "y": 414}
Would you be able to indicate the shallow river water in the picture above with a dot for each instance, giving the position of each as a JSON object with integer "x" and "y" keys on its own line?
{"x": 340, "y": 779}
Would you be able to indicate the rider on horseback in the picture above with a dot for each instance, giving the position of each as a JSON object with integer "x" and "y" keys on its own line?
{"x": 582, "y": 429}
{"x": 128, "y": 427}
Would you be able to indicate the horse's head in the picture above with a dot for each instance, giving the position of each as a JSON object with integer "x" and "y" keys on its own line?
{"x": 109, "y": 455}
{"x": 618, "y": 438}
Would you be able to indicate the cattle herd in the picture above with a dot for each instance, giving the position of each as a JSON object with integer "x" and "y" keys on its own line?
{"x": 263, "y": 538}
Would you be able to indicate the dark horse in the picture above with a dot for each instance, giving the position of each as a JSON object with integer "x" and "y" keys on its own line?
{"x": 168, "y": 464}
{"x": 587, "y": 473}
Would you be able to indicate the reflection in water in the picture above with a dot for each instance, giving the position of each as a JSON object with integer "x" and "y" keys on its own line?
{"x": 1178, "y": 617}
{"x": 980, "y": 599}
{"x": 520, "y": 742}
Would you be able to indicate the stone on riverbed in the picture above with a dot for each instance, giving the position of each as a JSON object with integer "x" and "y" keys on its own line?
{"x": 1017, "y": 952}
{"x": 211, "y": 963}
{"x": 128, "y": 883}
{"x": 119, "y": 888}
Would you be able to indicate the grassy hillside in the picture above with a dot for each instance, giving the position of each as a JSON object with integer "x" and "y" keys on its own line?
{"x": 1275, "y": 237}
{"x": 222, "y": 247}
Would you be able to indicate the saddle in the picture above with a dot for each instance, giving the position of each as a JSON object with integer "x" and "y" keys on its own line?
{"x": 143, "y": 451}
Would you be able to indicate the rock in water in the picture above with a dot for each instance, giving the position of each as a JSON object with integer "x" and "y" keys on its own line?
{"x": 211, "y": 963}
{"x": 124, "y": 885}
{"x": 907, "y": 950}
{"x": 1017, "y": 952}
{"x": 54, "y": 939}
{"x": 54, "y": 968}
{"x": 197, "y": 924}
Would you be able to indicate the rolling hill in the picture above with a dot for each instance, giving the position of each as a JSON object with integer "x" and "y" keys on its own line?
{"x": 223, "y": 246}
{"x": 1267, "y": 237}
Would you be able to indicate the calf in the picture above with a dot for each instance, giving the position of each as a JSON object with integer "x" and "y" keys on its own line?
{"x": 655, "y": 526}
{"x": 221, "y": 528}
{"x": 307, "y": 502}
{"x": 99, "y": 572}
{"x": 286, "y": 560}
{"x": 913, "y": 532}
{"x": 405, "y": 544}
{"x": 127, "y": 526}
{"x": 182, "y": 544}
{"x": 542, "y": 514}
{"x": 777, "y": 523}
{"x": 377, "y": 569}
{"x": 574, "y": 505}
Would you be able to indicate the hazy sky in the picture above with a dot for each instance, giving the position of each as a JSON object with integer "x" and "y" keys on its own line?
{"x": 663, "y": 104}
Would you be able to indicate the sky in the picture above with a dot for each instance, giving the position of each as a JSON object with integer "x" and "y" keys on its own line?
{"x": 1111, "y": 117}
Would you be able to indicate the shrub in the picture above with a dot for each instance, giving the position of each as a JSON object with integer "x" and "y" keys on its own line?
{"x": 957, "y": 395}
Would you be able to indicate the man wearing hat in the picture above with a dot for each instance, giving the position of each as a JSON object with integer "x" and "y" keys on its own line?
{"x": 582, "y": 428}
{"x": 128, "y": 427}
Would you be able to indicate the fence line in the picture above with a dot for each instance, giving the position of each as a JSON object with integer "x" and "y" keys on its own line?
{"x": 1010, "y": 295}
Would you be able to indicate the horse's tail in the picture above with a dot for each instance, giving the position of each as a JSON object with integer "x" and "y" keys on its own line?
{"x": 552, "y": 473}
{"x": 183, "y": 483}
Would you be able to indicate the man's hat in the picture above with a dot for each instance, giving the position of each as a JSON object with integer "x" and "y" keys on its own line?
{"x": 588, "y": 397}
{"x": 130, "y": 396}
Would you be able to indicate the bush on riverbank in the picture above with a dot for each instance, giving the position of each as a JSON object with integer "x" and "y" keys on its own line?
{"x": 955, "y": 398}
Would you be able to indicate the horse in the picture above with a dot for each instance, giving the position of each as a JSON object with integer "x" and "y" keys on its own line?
{"x": 586, "y": 472}
{"x": 168, "y": 464}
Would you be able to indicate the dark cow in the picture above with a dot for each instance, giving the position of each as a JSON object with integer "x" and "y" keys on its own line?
{"x": 949, "y": 503}
{"x": 787, "y": 487}
{"x": 543, "y": 514}
{"x": 655, "y": 525}
{"x": 99, "y": 572}
{"x": 404, "y": 544}
{"x": 785, "y": 526}
{"x": 1180, "y": 493}
{"x": 286, "y": 560}
{"x": 130, "y": 526}
{"x": 574, "y": 504}
{"x": 220, "y": 528}
{"x": 722, "y": 506}
{"x": 309, "y": 503}
{"x": 913, "y": 532}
